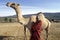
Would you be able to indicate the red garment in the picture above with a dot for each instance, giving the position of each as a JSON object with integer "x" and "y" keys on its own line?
{"x": 36, "y": 31}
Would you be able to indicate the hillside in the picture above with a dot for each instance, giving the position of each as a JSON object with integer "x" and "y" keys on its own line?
{"x": 50, "y": 16}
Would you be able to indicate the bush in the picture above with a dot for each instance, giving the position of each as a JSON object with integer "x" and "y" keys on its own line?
{"x": 10, "y": 20}
{"x": 6, "y": 19}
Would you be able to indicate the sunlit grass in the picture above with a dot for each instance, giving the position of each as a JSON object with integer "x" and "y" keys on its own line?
{"x": 18, "y": 30}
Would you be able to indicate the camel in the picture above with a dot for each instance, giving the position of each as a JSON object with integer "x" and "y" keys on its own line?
{"x": 27, "y": 22}
{"x": 45, "y": 23}
{"x": 24, "y": 21}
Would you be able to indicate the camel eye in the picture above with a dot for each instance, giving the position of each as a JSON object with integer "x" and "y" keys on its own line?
{"x": 13, "y": 4}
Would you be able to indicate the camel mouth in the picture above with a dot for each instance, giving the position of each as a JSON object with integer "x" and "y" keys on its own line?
{"x": 8, "y": 4}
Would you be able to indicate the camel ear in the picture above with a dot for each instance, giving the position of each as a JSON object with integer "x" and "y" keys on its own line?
{"x": 18, "y": 4}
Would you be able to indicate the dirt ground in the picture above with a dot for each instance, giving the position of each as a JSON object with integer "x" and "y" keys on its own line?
{"x": 17, "y": 30}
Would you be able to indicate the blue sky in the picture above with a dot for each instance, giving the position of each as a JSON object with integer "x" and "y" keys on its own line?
{"x": 30, "y": 6}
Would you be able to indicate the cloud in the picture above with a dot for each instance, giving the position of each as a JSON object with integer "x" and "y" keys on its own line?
{"x": 6, "y": 11}
{"x": 31, "y": 9}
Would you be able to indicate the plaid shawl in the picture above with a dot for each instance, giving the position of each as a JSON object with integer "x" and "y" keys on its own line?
{"x": 36, "y": 31}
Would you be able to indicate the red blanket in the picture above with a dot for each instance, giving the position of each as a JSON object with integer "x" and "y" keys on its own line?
{"x": 36, "y": 31}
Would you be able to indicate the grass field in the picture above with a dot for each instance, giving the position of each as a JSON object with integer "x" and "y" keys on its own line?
{"x": 15, "y": 29}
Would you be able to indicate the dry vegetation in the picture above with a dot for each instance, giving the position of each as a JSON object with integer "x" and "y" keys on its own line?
{"x": 15, "y": 29}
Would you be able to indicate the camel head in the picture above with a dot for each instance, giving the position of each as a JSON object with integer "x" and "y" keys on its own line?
{"x": 13, "y": 5}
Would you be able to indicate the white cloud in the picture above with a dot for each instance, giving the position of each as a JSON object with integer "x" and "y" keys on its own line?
{"x": 6, "y": 11}
{"x": 31, "y": 9}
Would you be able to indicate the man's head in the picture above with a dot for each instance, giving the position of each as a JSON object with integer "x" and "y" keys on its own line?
{"x": 33, "y": 18}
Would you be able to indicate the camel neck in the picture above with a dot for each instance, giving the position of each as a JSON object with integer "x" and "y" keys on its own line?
{"x": 18, "y": 11}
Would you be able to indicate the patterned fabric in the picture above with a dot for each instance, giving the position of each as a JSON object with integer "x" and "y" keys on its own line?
{"x": 36, "y": 31}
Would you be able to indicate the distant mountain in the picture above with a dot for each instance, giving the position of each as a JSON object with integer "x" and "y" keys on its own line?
{"x": 50, "y": 16}
{"x": 14, "y": 16}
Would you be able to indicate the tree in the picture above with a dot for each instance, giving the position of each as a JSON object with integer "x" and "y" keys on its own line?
{"x": 10, "y": 20}
{"x": 6, "y": 19}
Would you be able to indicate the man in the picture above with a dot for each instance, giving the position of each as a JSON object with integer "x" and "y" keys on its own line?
{"x": 36, "y": 30}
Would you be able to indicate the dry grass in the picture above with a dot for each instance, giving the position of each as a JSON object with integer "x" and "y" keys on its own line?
{"x": 15, "y": 29}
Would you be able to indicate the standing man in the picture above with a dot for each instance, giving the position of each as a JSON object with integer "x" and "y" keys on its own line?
{"x": 36, "y": 30}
